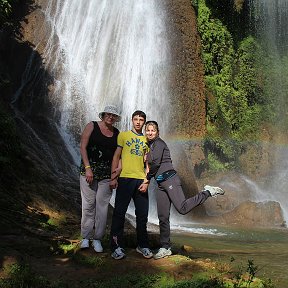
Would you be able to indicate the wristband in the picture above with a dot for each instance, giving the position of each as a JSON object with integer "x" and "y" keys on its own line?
{"x": 88, "y": 166}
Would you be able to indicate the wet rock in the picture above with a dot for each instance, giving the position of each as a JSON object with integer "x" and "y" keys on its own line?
{"x": 249, "y": 213}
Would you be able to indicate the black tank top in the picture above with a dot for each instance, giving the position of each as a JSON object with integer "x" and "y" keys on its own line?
{"x": 100, "y": 150}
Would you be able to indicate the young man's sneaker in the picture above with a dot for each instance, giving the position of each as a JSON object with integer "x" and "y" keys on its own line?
{"x": 214, "y": 191}
{"x": 162, "y": 253}
{"x": 146, "y": 252}
{"x": 97, "y": 246}
{"x": 118, "y": 253}
{"x": 84, "y": 244}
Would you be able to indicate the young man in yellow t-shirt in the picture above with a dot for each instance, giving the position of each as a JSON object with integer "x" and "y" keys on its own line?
{"x": 131, "y": 148}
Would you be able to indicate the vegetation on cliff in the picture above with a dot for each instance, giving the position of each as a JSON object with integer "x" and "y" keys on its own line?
{"x": 5, "y": 10}
{"x": 240, "y": 97}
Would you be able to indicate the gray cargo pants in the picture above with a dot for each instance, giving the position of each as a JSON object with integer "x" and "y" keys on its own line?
{"x": 95, "y": 201}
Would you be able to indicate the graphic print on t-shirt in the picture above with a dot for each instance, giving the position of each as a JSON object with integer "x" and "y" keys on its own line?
{"x": 134, "y": 148}
{"x": 136, "y": 144}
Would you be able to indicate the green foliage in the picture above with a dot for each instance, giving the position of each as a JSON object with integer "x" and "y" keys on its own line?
{"x": 246, "y": 277}
{"x": 21, "y": 276}
{"x": 236, "y": 103}
{"x": 215, "y": 165}
{"x": 217, "y": 44}
{"x": 5, "y": 7}
{"x": 88, "y": 261}
{"x": 68, "y": 248}
{"x": 129, "y": 280}
{"x": 5, "y": 10}
{"x": 199, "y": 283}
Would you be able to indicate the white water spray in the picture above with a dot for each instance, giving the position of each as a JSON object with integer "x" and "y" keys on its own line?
{"x": 107, "y": 52}
{"x": 271, "y": 20}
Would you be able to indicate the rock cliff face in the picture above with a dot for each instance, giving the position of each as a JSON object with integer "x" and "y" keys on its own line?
{"x": 188, "y": 119}
{"x": 187, "y": 73}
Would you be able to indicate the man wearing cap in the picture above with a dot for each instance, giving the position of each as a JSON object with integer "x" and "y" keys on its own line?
{"x": 97, "y": 147}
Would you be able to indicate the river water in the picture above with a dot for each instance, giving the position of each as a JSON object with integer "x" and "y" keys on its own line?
{"x": 267, "y": 248}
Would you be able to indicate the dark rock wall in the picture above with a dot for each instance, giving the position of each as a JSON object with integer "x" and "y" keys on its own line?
{"x": 187, "y": 73}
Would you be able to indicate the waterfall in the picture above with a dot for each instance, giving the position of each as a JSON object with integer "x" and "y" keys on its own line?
{"x": 106, "y": 52}
{"x": 118, "y": 52}
{"x": 270, "y": 19}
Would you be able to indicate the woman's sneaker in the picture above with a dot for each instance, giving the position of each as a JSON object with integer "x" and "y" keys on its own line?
{"x": 214, "y": 191}
{"x": 97, "y": 246}
{"x": 118, "y": 253}
{"x": 84, "y": 244}
{"x": 162, "y": 253}
{"x": 146, "y": 252}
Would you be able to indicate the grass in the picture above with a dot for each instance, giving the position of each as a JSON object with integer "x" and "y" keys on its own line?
{"x": 89, "y": 261}
{"x": 21, "y": 276}
{"x": 136, "y": 280}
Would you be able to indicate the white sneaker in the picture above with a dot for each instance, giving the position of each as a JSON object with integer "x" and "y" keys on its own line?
{"x": 214, "y": 191}
{"x": 84, "y": 244}
{"x": 97, "y": 246}
{"x": 162, "y": 253}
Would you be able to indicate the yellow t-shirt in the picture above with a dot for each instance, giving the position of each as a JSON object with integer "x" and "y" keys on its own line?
{"x": 133, "y": 149}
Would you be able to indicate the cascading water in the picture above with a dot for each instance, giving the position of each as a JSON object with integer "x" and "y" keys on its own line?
{"x": 107, "y": 52}
{"x": 100, "y": 52}
{"x": 271, "y": 20}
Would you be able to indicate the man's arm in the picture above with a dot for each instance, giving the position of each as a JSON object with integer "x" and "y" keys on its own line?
{"x": 144, "y": 186}
{"x": 114, "y": 167}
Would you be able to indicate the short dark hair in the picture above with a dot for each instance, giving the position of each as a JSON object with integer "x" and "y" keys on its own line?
{"x": 139, "y": 113}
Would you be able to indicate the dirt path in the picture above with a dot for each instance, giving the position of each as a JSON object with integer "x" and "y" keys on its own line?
{"x": 82, "y": 266}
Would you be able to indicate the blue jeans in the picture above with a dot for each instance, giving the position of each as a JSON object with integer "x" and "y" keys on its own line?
{"x": 128, "y": 189}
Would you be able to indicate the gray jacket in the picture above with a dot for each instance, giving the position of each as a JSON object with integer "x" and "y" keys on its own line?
{"x": 158, "y": 157}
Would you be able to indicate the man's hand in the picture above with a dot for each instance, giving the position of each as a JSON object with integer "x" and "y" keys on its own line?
{"x": 113, "y": 184}
{"x": 143, "y": 187}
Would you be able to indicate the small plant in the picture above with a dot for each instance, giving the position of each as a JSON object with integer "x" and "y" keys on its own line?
{"x": 242, "y": 278}
{"x": 68, "y": 248}
{"x": 252, "y": 270}
{"x": 215, "y": 165}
